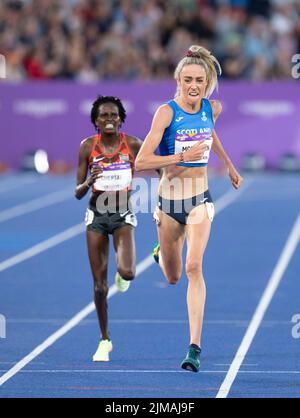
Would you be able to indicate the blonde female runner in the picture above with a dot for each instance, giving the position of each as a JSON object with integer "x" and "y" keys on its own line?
{"x": 184, "y": 130}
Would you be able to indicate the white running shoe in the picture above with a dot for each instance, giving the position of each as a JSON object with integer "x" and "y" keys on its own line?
{"x": 102, "y": 353}
{"x": 121, "y": 284}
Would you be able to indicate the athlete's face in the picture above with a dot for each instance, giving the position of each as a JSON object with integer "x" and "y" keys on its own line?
{"x": 192, "y": 83}
{"x": 108, "y": 120}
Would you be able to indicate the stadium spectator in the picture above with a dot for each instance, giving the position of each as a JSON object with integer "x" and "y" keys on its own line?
{"x": 87, "y": 40}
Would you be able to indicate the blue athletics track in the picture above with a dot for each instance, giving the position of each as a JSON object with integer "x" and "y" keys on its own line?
{"x": 251, "y": 341}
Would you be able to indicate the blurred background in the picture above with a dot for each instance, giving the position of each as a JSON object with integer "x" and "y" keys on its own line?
{"x": 60, "y": 54}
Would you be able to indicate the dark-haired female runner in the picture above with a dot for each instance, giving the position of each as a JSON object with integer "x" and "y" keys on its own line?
{"x": 109, "y": 157}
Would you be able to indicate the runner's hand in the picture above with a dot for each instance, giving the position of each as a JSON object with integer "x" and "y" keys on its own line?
{"x": 236, "y": 179}
{"x": 96, "y": 171}
{"x": 196, "y": 152}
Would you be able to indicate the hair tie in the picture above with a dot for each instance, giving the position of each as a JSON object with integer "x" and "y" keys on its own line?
{"x": 190, "y": 53}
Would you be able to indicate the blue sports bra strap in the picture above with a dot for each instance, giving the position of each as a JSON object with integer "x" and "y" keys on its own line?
{"x": 207, "y": 108}
{"x": 172, "y": 104}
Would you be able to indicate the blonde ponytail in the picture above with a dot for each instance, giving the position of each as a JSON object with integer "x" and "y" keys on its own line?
{"x": 201, "y": 56}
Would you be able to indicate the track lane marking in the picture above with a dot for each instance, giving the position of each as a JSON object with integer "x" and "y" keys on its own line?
{"x": 36, "y": 204}
{"x": 224, "y": 201}
{"x": 273, "y": 284}
{"x": 16, "y": 183}
{"x": 70, "y": 371}
{"x": 43, "y": 246}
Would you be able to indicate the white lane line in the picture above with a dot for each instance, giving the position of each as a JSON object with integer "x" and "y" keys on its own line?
{"x": 112, "y": 371}
{"x": 142, "y": 266}
{"x": 274, "y": 281}
{"x": 47, "y": 343}
{"x": 13, "y": 362}
{"x": 42, "y": 246}
{"x": 244, "y": 365}
{"x": 122, "y": 321}
{"x": 35, "y": 204}
{"x": 147, "y": 262}
{"x": 15, "y": 184}
{"x": 220, "y": 204}
{"x": 237, "y": 322}
{"x": 71, "y": 371}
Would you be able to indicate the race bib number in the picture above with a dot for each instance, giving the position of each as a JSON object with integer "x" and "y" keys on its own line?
{"x": 115, "y": 177}
{"x": 185, "y": 142}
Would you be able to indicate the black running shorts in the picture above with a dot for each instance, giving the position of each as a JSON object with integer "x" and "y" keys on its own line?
{"x": 107, "y": 222}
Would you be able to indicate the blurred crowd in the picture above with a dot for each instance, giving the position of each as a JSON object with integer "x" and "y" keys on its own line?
{"x": 88, "y": 40}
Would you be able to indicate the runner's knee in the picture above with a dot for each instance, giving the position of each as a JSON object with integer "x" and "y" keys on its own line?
{"x": 173, "y": 278}
{"x": 126, "y": 273}
{"x": 193, "y": 269}
{"x": 101, "y": 288}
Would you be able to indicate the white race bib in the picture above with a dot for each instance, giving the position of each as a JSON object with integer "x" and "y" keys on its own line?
{"x": 185, "y": 142}
{"x": 115, "y": 177}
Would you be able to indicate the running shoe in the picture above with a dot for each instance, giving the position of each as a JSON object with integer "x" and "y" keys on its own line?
{"x": 155, "y": 252}
{"x": 102, "y": 353}
{"x": 192, "y": 360}
{"x": 121, "y": 284}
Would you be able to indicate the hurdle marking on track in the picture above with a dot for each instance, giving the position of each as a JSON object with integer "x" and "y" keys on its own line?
{"x": 272, "y": 286}
{"x": 220, "y": 205}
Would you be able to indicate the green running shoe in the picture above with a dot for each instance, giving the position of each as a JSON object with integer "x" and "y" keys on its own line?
{"x": 192, "y": 360}
{"x": 122, "y": 284}
{"x": 102, "y": 353}
{"x": 155, "y": 252}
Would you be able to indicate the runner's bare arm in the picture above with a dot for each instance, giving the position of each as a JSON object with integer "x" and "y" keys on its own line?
{"x": 135, "y": 146}
{"x": 235, "y": 178}
{"x": 216, "y": 145}
{"x": 146, "y": 158}
{"x": 84, "y": 182}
